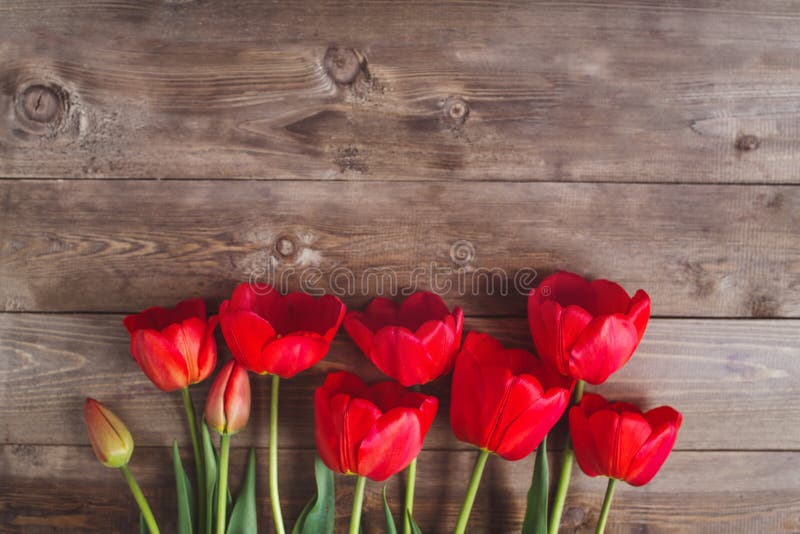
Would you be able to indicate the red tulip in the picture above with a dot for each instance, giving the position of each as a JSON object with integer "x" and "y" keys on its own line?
{"x": 280, "y": 335}
{"x": 586, "y": 330}
{"x": 111, "y": 441}
{"x": 619, "y": 441}
{"x": 373, "y": 431}
{"x": 504, "y": 400}
{"x": 174, "y": 347}
{"x": 413, "y": 343}
{"x": 228, "y": 401}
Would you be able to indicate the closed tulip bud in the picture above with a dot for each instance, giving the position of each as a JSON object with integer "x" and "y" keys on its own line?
{"x": 228, "y": 402}
{"x": 111, "y": 441}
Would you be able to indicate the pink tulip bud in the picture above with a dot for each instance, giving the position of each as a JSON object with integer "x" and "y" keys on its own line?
{"x": 228, "y": 402}
{"x": 111, "y": 441}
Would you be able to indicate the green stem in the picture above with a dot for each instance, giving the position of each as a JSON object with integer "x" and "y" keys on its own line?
{"x": 188, "y": 405}
{"x": 147, "y": 513}
{"x": 222, "y": 488}
{"x": 274, "y": 498}
{"x": 410, "y": 482}
{"x": 472, "y": 490}
{"x": 358, "y": 503}
{"x": 566, "y": 469}
{"x": 601, "y": 523}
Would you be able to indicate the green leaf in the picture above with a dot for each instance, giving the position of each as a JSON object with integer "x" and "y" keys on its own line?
{"x": 244, "y": 518}
{"x": 391, "y": 528}
{"x": 143, "y": 525}
{"x": 210, "y": 460}
{"x": 319, "y": 514}
{"x": 414, "y": 527}
{"x": 535, "y": 521}
{"x": 184, "y": 489}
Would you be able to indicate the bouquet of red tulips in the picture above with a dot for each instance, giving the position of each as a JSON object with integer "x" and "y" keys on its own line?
{"x": 504, "y": 401}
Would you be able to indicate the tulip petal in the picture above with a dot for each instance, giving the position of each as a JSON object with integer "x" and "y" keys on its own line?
{"x": 357, "y": 422}
{"x": 160, "y": 360}
{"x": 387, "y": 395}
{"x": 610, "y": 298}
{"x": 356, "y": 326}
{"x": 639, "y": 311}
{"x": 187, "y": 337}
{"x": 421, "y": 307}
{"x": 289, "y": 355}
{"x": 567, "y": 289}
{"x": 583, "y": 442}
{"x": 207, "y": 358}
{"x": 604, "y": 346}
{"x": 246, "y": 334}
{"x": 398, "y": 353}
{"x": 391, "y": 444}
{"x": 520, "y": 393}
{"x": 380, "y": 312}
{"x": 652, "y": 455}
{"x": 237, "y": 399}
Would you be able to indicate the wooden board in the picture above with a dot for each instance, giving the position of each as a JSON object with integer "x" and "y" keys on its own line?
{"x": 632, "y": 91}
{"x": 65, "y": 489}
{"x": 720, "y": 374}
{"x": 699, "y": 250}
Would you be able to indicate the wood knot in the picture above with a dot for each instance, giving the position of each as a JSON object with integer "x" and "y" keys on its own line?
{"x": 343, "y": 64}
{"x": 455, "y": 110}
{"x": 41, "y": 107}
{"x": 746, "y": 143}
{"x": 285, "y": 247}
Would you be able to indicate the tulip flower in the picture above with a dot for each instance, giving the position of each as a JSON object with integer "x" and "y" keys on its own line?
{"x": 618, "y": 441}
{"x": 279, "y": 334}
{"x": 174, "y": 347}
{"x": 112, "y": 443}
{"x": 228, "y": 401}
{"x": 414, "y": 342}
{"x": 586, "y": 330}
{"x": 227, "y": 412}
{"x": 371, "y": 431}
{"x": 504, "y": 401}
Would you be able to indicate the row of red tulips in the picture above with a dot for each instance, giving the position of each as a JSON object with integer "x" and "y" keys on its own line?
{"x": 504, "y": 401}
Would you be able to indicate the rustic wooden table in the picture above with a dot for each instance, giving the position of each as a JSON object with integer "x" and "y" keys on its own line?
{"x": 156, "y": 150}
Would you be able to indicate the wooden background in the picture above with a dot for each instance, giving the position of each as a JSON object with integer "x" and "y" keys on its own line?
{"x": 156, "y": 150}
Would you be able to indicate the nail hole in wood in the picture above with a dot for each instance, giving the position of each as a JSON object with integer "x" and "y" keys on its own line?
{"x": 342, "y": 64}
{"x": 746, "y": 143}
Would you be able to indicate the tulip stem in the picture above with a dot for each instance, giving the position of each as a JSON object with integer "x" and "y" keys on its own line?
{"x": 274, "y": 498}
{"x": 601, "y": 523}
{"x": 472, "y": 490}
{"x": 358, "y": 503}
{"x": 198, "y": 458}
{"x": 147, "y": 513}
{"x": 410, "y": 483}
{"x": 566, "y": 469}
{"x": 222, "y": 488}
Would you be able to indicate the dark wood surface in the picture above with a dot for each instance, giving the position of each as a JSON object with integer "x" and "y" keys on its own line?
{"x": 156, "y": 150}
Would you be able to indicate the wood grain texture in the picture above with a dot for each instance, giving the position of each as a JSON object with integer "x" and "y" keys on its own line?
{"x": 64, "y": 489}
{"x": 95, "y": 245}
{"x": 630, "y": 91}
{"x": 734, "y": 381}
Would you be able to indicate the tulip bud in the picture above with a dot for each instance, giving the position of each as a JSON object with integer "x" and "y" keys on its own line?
{"x": 111, "y": 441}
{"x": 228, "y": 402}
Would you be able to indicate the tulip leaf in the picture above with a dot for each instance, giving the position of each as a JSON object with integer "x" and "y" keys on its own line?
{"x": 391, "y": 527}
{"x": 319, "y": 514}
{"x": 184, "y": 489}
{"x": 414, "y": 527}
{"x": 210, "y": 460}
{"x": 143, "y": 525}
{"x": 535, "y": 521}
{"x": 244, "y": 518}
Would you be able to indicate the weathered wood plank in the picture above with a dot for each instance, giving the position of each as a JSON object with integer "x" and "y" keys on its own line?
{"x": 624, "y": 91}
{"x": 95, "y": 245}
{"x": 720, "y": 374}
{"x": 64, "y": 489}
